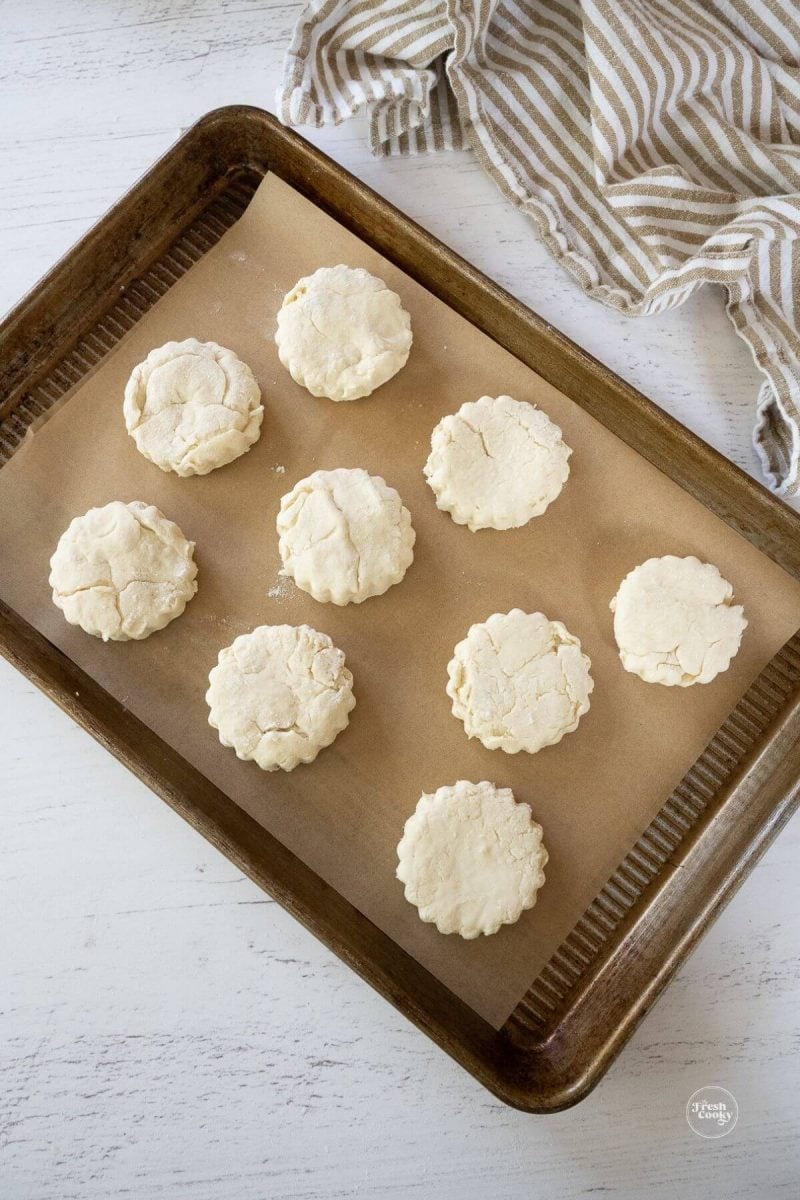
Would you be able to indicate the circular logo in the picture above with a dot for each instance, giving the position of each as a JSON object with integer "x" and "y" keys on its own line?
{"x": 712, "y": 1112}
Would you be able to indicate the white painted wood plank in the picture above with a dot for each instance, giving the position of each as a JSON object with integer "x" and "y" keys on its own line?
{"x": 165, "y": 1030}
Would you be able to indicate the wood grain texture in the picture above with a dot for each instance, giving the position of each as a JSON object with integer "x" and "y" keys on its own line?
{"x": 195, "y": 1077}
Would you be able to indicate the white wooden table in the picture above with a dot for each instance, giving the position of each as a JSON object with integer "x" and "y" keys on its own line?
{"x": 165, "y": 1029}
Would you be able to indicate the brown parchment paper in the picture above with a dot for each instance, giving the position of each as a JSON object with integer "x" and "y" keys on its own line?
{"x": 594, "y": 793}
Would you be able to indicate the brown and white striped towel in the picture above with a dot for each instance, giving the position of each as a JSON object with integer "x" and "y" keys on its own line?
{"x": 655, "y": 143}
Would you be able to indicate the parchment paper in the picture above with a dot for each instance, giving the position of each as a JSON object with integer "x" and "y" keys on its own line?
{"x": 594, "y": 793}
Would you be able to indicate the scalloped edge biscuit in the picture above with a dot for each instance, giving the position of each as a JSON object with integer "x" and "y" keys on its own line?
{"x": 519, "y": 681}
{"x": 675, "y": 623}
{"x": 344, "y": 536}
{"x": 122, "y": 571}
{"x": 496, "y": 463}
{"x": 186, "y": 435}
{"x": 342, "y": 333}
{"x": 471, "y": 858}
{"x": 280, "y": 694}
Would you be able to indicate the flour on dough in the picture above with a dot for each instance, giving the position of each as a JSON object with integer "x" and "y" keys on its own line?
{"x": 496, "y": 463}
{"x": 471, "y": 858}
{"x": 519, "y": 682}
{"x": 122, "y": 571}
{"x": 675, "y": 623}
{"x": 342, "y": 333}
{"x": 344, "y": 535}
{"x": 192, "y": 406}
{"x": 280, "y": 694}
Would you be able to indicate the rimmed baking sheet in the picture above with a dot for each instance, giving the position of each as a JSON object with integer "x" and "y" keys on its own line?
{"x": 343, "y": 815}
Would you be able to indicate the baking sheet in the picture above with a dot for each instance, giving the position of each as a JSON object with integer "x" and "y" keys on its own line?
{"x": 343, "y": 815}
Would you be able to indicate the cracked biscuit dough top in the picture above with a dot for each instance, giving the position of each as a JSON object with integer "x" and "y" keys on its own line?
{"x": 496, "y": 463}
{"x": 675, "y": 623}
{"x": 192, "y": 406}
{"x": 279, "y": 694}
{"x": 344, "y": 535}
{"x": 342, "y": 333}
{"x": 122, "y": 571}
{"x": 471, "y": 858}
{"x": 519, "y": 682}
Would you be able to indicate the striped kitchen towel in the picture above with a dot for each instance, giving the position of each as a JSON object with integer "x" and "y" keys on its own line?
{"x": 655, "y": 143}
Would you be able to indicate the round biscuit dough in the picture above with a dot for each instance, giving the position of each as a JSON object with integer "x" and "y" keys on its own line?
{"x": 192, "y": 407}
{"x": 675, "y": 623}
{"x": 344, "y": 535}
{"x": 122, "y": 571}
{"x": 496, "y": 463}
{"x": 519, "y": 682}
{"x": 278, "y": 695}
{"x": 342, "y": 333}
{"x": 471, "y": 858}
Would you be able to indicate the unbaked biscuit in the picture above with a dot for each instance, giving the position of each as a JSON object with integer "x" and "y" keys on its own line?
{"x": 192, "y": 407}
{"x": 342, "y": 333}
{"x": 471, "y": 858}
{"x": 519, "y": 682}
{"x": 675, "y": 623}
{"x": 278, "y": 695}
{"x": 122, "y": 571}
{"x": 496, "y": 463}
{"x": 344, "y": 535}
